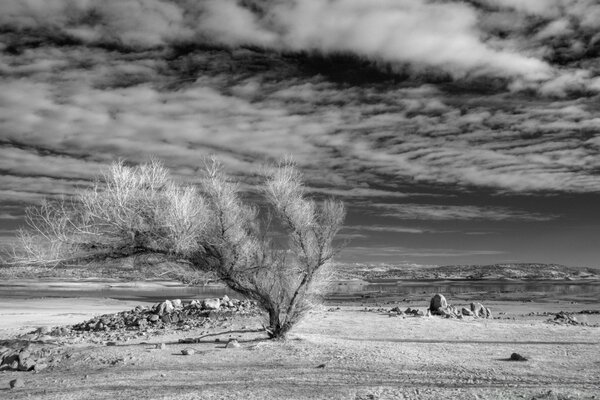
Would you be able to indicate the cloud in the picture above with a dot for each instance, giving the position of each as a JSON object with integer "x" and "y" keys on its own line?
{"x": 85, "y": 83}
{"x": 389, "y": 229}
{"x": 447, "y": 212}
{"x": 444, "y": 37}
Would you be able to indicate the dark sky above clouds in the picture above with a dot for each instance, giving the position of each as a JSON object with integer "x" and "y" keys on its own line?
{"x": 455, "y": 131}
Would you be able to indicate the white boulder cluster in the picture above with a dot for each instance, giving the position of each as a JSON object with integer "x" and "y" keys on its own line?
{"x": 439, "y": 306}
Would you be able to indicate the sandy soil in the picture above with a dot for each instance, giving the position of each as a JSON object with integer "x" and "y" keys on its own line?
{"x": 333, "y": 354}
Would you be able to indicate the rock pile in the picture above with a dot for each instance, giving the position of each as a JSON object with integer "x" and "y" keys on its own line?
{"x": 563, "y": 318}
{"x": 25, "y": 358}
{"x": 439, "y": 306}
{"x": 414, "y": 312}
{"x": 169, "y": 313}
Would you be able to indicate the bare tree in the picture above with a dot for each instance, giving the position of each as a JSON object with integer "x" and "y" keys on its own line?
{"x": 140, "y": 211}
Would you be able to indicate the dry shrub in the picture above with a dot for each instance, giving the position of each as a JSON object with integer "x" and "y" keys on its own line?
{"x": 184, "y": 232}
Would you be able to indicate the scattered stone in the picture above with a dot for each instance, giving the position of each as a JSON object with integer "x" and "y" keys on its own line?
{"x": 188, "y": 352}
{"x": 232, "y": 344}
{"x": 16, "y": 383}
{"x": 517, "y": 357}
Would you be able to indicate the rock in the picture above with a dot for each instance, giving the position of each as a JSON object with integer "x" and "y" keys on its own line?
{"x": 166, "y": 318}
{"x": 478, "y": 310}
{"x": 24, "y": 355}
{"x": 188, "y": 352}
{"x": 225, "y": 299}
{"x": 211, "y": 304}
{"x": 438, "y": 301}
{"x": 177, "y": 303}
{"x": 166, "y": 307}
{"x": 232, "y": 344}
{"x": 40, "y": 366}
{"x": 16, "y": 383}
{"x": 466, "y": 312}
{"x": 43, "y": 330}
{"x": 111, "y": 343}
{"x": 195, "y": 303}
{"x": 153, "y": 318}
{"x": 488, "y": 313}
{"x": 161, "y": 346}
{"x": 27, "y": 364}
{"x": 517, "y": 357}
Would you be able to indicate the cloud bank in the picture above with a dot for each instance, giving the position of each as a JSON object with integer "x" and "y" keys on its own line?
{"x": 492, "y": 38}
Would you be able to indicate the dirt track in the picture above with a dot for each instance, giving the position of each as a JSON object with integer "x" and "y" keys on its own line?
{"x": 346, "y": 354}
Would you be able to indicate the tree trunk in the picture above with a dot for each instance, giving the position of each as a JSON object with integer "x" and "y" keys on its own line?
{"x": 277, "y": 329}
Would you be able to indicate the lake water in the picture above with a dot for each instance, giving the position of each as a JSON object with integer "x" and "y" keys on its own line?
{"x": 583, "y": 291}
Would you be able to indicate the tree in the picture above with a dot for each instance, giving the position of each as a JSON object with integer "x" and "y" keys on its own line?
{"x": 140, "y": 211}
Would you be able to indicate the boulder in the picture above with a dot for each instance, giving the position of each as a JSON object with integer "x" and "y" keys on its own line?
{"x": 211, "y": 304}
{"x": 195, "y": 303}
{"x": 43, "y": 330}
{"x": 438, "y": 301}
{"x": 488, "y": 313}
{"x": 232, "y": 344}
{"x": 478, "y": 310}
{"x": 466, "y": 312}
{"x": 517, "y": 357}
{"x": 188, "y": 352}
{"x": 166, "y": 318}
{"x": 16, "y": 383}
{"x": 177, "y": 303}
{"x": 166, "y": 307}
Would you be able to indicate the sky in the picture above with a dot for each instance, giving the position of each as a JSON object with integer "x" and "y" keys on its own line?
{"x": 456, "y": 132}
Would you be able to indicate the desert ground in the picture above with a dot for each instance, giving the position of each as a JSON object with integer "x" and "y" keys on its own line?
{"x": 340, "y": 351}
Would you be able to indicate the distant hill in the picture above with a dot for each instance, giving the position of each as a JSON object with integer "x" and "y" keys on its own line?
{"x": 520, "y": 271}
